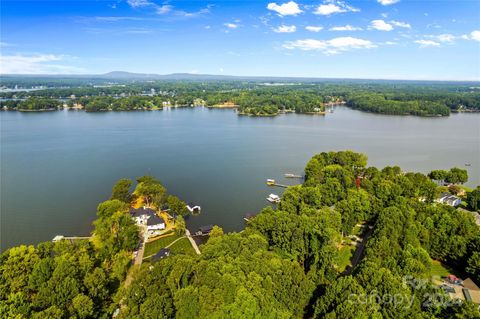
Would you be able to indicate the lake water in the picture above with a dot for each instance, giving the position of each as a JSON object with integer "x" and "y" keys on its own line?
{"x": 57, "y": 166}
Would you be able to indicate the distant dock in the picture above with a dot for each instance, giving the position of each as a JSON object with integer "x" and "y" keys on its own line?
{"x": 71, "y": 238}
{"x": 279, "y": 185}
{"x": 291, "y": 175}
{"x": 272, "y": 182}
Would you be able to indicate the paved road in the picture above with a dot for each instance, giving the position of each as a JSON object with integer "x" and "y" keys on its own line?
{"x": 358, "y": 255}
{"x": 141, "y": 250}
{"x": 194, "y": 244}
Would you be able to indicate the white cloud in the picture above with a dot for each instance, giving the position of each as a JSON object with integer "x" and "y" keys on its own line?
{"x": 401, "y": 24}
{"x": 445, "y": 37}
{"x": 285, "y": 29}
{"x": 387, "y": 2}
{"x": 333, "y": 6}
{"x": 285, "y": 9}
{"x": 168, "y": 9}
{"x": 139, "y": 3}
{"x": 164, "y": 9}
{"x": 329, "y": 47}
{"x": 345, "y": 28}
{"x": 442, "y": 38}
{"x": 381, "y": 25}
{"x": 313, "y": 28}
{"x": 427, "y": 43}
{"x": 35, "y": 64}
{"x": 231, "y": 25}
{"x": 475, "y": 35}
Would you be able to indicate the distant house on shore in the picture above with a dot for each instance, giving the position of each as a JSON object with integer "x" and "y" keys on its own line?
{"x": 449, "y": 199}
{"x": 148, "y": 217}
{"x": 163, "y": 253}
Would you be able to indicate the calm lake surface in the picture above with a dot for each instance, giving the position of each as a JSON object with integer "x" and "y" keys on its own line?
{"x": 57, "y": 166}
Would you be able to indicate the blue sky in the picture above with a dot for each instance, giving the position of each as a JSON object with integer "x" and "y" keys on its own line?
{"x": 388, "y": 39}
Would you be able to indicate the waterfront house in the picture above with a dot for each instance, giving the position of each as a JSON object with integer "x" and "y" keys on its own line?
{"x": 155, "y": 223}
{"x": 449, "y": 199}
{"x": 147, "y": 217}
{"x": 140, "y": 215}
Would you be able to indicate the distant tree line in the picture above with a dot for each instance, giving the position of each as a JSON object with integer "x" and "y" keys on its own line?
{"x": 256, "y": 98}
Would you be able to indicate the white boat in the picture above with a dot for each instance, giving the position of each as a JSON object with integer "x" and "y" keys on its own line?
{"x": 194, "y": 208}
{"x": 272, "y": 198}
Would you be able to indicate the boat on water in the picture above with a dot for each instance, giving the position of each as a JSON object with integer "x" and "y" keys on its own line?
{"x": 194, "y": 209}
{"x": 468, "y": 164}
{"x": 272, "y": 198}
{"x": 270, "y": 182}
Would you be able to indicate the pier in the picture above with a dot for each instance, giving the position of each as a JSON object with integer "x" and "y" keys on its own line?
{"x": 290, "y": 175}
{"x": 280, "y": 185}
{"x": 71, "y": 238}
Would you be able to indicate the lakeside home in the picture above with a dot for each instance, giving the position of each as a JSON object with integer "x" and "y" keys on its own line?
{"x": 449, "y": 199}
{"x": 147, "y": 217}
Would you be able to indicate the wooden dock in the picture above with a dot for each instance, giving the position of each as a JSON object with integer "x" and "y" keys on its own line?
{"x": 279, "y": 185}
{"x": 290, "y": 175}
{"x": 69, "y": 238}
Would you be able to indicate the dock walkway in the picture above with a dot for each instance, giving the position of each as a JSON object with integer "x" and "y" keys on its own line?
{"x": 194, "y": 244}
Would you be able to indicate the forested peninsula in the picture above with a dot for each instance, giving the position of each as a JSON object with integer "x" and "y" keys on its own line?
{"x": 252, "y": 98}
{"x": 298, "y": 259}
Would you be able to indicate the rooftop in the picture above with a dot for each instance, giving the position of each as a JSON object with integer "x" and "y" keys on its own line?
{"x": 137, "y": 212}
{"x": 155, "y": 220}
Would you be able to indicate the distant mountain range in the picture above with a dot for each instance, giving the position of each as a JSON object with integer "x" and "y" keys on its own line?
{"x": 130, "y": 76}
{"x": 123, "y": 75}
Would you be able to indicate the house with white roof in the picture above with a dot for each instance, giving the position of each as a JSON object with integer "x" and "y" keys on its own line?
{"x": 449, "y": 199}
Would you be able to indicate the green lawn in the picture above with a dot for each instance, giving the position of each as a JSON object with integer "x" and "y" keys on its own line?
{"x": 442, "y": 270}
{"x": 153, "y": 247}
{"x": 183, "y": 246}
{"x": 342, "y": 259}
{"x": 465, "y": 188}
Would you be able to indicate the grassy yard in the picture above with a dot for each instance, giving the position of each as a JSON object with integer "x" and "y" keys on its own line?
{"x": 342, "y": 259}
{"x": 437, "y": 269}
{"x": 153, "y": 247}
{"x": 442, "y": 270}
{"x": 183, "y": 246}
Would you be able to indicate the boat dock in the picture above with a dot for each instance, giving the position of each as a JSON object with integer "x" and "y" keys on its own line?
{"x": 248, "y": 217}
{"x": 69, "y": 238}
{"x": 290, "y": 175}
{"x": 279, "y": 185}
